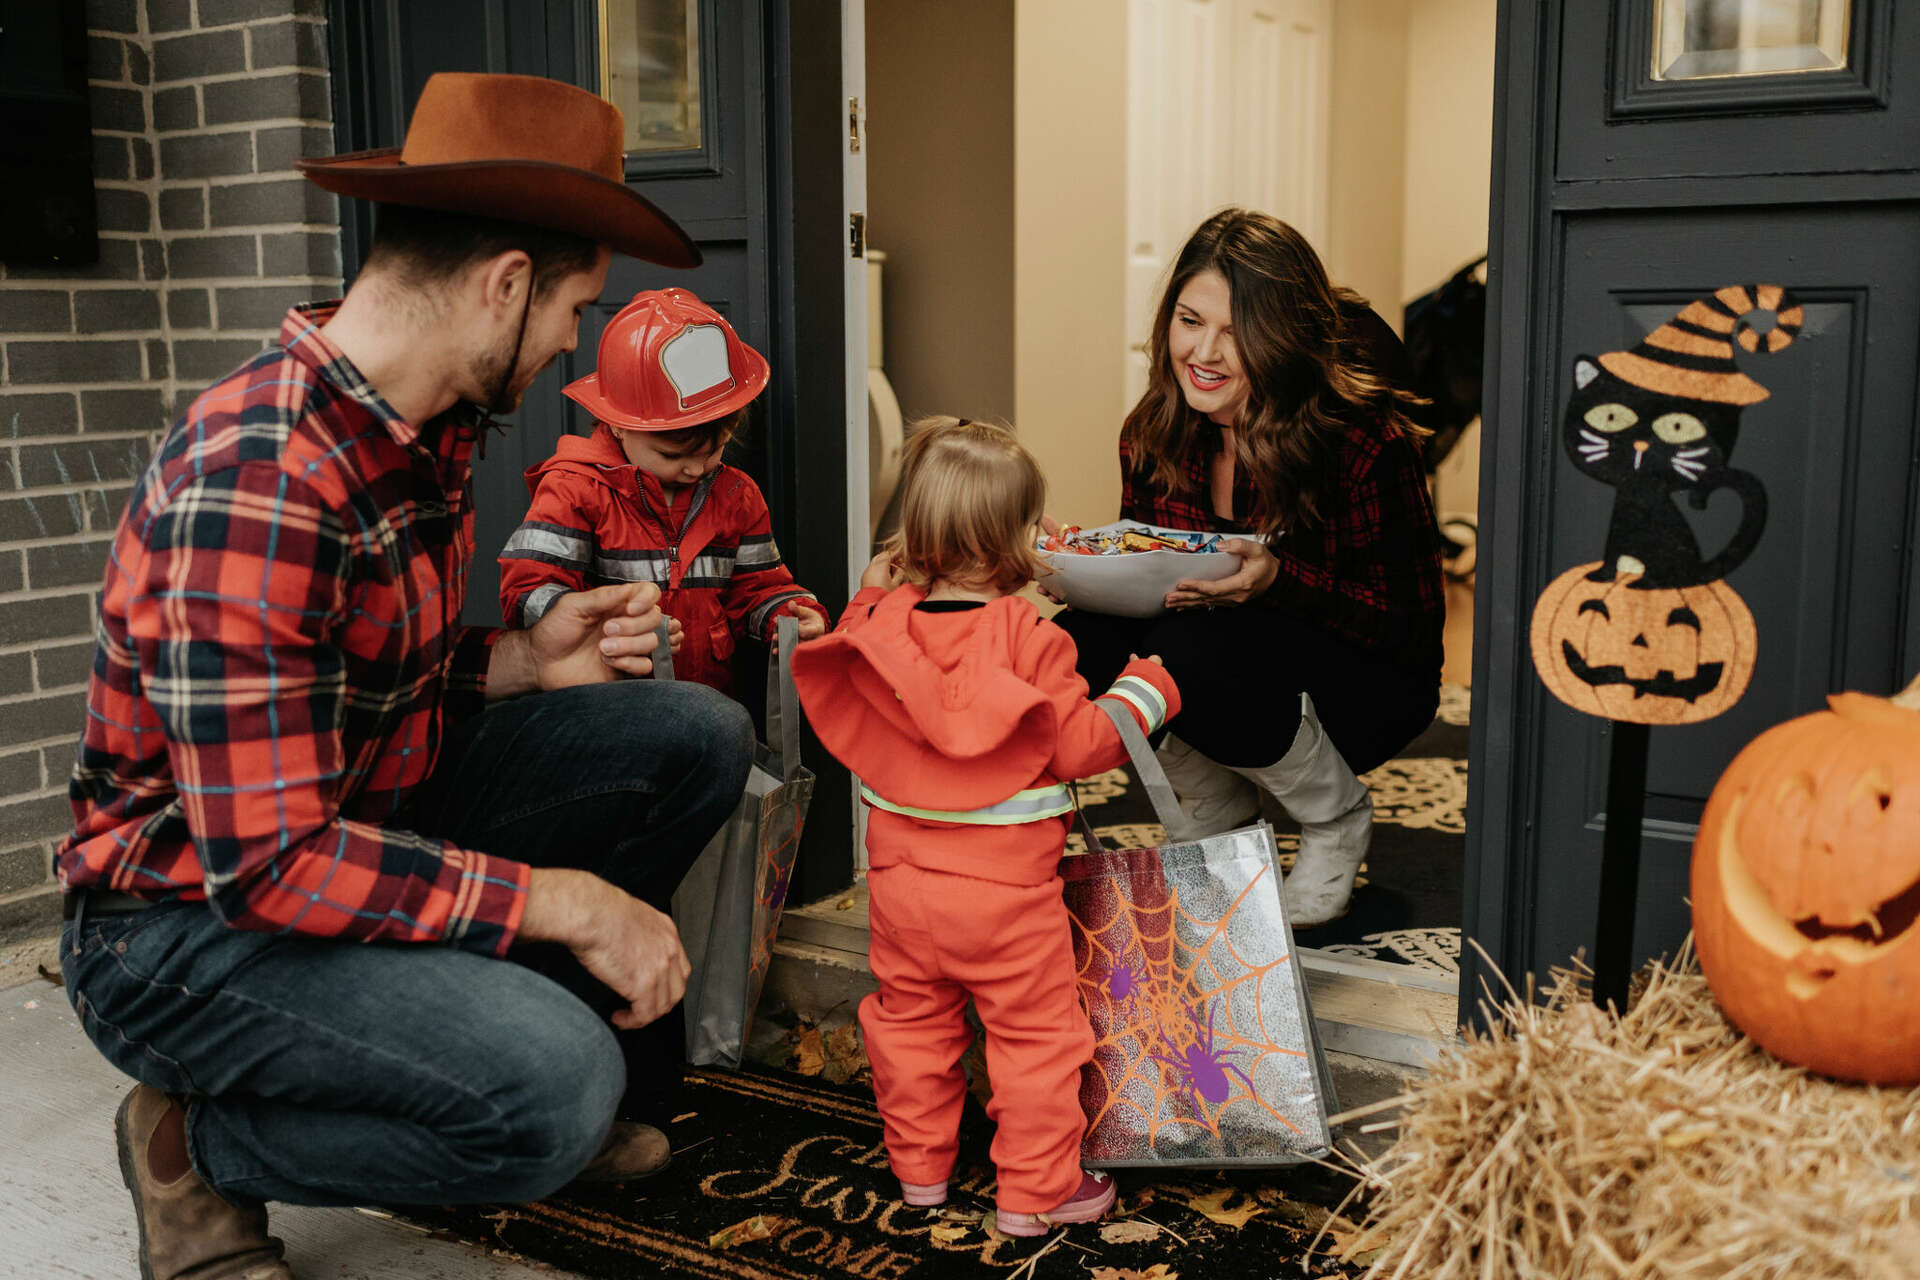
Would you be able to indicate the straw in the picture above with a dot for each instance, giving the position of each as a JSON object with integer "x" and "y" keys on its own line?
{"x": 1568, "y": 1143}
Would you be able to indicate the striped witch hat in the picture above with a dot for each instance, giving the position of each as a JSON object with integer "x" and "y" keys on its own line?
{"x": 1692, "y": 354}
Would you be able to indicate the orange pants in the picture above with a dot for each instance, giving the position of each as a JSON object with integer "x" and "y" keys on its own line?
{"x": 937, "y": 939}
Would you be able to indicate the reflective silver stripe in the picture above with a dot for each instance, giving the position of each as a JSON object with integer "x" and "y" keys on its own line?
{"x": 629, "y": 569}
{"x": 758, "y": 552}
{"x": 1036, "y": 804}
{"x": 757, "y": 620}
{"x": 716, "y": 565}
{"x": 565, "y": 547}
{"x": 538, "y": 601}
{"x": 1142, "y": 697}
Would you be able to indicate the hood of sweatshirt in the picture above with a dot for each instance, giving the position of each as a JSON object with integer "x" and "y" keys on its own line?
{"x": 906, "y": 695}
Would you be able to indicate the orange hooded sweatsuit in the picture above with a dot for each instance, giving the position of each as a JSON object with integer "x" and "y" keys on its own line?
{"x": 962, "y": 725}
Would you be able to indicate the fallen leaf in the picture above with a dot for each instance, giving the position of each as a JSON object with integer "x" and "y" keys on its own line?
{"x": 954, "y": 1213}
{"x": 948, "y": 1234}
{"x": 1213, "y": 1206}
{"x": 759, "y": 1227}
{"x": 845, "y": 904}
{"x": 1129, "y": 1232}
{"x": 1349, "y": 1240}
{"x": 1158, "y": 1271}
{"x": 846, "y": 1056}
{"x": 811, "y": 1057}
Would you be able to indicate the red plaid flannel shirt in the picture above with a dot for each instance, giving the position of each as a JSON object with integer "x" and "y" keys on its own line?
{"x": 1369, "y": 572}
{"x": 278, "y": 655}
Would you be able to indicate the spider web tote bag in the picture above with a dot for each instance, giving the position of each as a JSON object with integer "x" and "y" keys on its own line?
{"x": 1205, "y": 1052}
{"x": 728, "y": 907}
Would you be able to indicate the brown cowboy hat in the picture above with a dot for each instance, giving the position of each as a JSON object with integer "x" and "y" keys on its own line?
{"x": 516, "y": 148}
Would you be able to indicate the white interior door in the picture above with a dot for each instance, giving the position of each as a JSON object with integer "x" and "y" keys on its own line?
{"x": 1227, "y": 103}
{"x": 853, "y": 168}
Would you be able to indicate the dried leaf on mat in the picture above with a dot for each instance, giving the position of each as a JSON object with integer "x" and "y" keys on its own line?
{"x": 1213, "y": 1205}
{"x": 1662, "y": 1143}
{"x": 846, "y": 1056}
{"x": 844, "y": 904}
{"x": 1158, "y": 1271}
{"x": 948, "y": 1233}
{"x": 759, "y": 1227}
{"x": 1129, "y": 1232}
{"x": 810, "y": 1058}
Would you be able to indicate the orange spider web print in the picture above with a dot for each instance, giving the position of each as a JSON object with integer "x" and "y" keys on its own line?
{"x": 1200, "y": 1049}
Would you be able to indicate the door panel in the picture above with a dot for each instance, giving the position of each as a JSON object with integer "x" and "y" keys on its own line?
{"x": 1614, "y": 124}
{"x": 1614, "y": 206}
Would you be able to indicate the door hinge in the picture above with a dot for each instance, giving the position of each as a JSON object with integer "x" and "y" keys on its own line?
{"x": 853, "y": 125}
{"x": 857, "y": 234}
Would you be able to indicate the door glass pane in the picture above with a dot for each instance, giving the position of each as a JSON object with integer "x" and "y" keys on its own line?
{"x": 650, "y": 69}
{"x": 1702, "y": 39}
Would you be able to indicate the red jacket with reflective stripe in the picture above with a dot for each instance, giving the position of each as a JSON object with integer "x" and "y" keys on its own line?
{"x": 598, "y": 519}
{"x": 958, "y": 711}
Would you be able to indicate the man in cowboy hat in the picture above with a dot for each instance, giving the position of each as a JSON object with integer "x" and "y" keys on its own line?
{"x": 294, "y": 750}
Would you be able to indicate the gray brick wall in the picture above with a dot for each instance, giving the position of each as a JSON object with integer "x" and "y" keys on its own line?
{"x": 199, "y": 109}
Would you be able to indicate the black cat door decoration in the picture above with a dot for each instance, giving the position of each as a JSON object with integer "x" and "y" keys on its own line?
{"x": 1651, "y": 634}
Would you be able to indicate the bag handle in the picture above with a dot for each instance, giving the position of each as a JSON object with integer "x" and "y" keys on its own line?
{"x": 783, "y": 699}
{"x": 663, "y": 652}
{"x": 1147, "y": 770}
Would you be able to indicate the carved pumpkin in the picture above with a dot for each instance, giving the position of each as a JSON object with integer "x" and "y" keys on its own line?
{"x": 1664, "y": 655}
{"x": 1806, "y": 886}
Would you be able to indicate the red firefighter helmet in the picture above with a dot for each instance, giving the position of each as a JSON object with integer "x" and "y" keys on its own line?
{"x": 668, "y": 360}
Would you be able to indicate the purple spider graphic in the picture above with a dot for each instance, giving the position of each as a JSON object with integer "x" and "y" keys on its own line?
{"x": 1202, "y": 1069}
{"x": 1124, "y": 981}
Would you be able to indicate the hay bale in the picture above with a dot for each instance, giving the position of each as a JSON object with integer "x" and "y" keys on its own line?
{"x": 1568, "y": 1143}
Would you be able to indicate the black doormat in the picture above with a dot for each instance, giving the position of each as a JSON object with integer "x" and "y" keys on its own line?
{"x": 782, "y": 1177}
{"x": 1407, "y": 905}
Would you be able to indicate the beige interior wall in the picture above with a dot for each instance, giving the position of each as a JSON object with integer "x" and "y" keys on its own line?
{"x": 1069, "y": 244}
{"x": 1367, "y": 174}
{"x": 1449, "y": 138}
{"x": 1449, "y": 176}
{"x": 940, "y": 187}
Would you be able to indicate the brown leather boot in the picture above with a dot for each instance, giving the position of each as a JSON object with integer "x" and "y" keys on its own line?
{"x": 632, "y": 1150}
{"x": 187, "y": 1231}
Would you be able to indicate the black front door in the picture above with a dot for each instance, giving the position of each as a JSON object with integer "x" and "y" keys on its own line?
{"x": 1648, "y": 152}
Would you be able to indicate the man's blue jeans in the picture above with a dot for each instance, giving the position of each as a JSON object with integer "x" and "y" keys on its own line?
{"x": 327, "y": 1072}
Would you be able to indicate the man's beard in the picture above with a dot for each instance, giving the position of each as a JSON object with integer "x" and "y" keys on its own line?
{"x": 494, "y": 373}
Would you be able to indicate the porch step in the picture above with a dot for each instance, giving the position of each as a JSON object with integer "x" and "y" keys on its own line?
{"x": 1370, "y": 1009}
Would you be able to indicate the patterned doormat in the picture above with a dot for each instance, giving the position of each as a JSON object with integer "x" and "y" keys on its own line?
{"x": 1406, "y": 908}
{"x": 781, "y": 1177}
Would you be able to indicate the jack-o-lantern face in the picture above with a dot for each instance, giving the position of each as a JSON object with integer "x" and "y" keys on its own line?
{"x": 1806, "y": 890}
{"x": 1663, "y": 655}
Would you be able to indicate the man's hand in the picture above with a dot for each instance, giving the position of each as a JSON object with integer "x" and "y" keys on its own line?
{"x": 586, "y": 637}
{"x": 1258, "y": 569}
{"x": 620, "y": 940}
{"x": 881, "y": 572}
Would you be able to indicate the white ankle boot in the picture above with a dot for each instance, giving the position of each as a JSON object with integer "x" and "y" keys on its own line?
{"x": 1335, "y": 813}
{"x": 1213, "y": 798}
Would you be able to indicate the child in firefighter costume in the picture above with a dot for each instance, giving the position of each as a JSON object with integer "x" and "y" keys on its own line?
{"x": 648, "y": 498}
{"x": 958, "y": 706}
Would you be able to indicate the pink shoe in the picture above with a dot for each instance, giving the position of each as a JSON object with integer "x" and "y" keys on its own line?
{"x": 926, "y": 1195}
{"x": 1095, "y": 1196}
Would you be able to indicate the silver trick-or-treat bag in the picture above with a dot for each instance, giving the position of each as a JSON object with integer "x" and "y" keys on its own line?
{"x": 728, "y": 907}
{"x": 1205, "y": 1052}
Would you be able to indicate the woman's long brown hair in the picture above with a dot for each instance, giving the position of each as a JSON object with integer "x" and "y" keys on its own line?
{"x": 1306, "y": 373}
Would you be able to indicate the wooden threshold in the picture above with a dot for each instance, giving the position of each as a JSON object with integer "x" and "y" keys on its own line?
{"x": 1368, "y": 1008}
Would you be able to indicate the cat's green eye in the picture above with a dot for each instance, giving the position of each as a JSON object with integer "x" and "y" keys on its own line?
{"x": 1611, "y": 417}
{"x": 1678, "y": 428}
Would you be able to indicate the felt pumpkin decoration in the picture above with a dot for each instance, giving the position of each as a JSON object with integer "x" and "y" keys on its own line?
{"x": 1654, "y": 655}
{"x": 1806, "y": 889}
